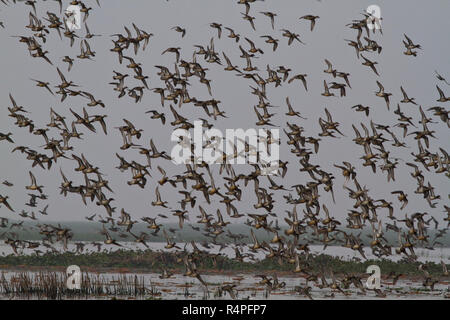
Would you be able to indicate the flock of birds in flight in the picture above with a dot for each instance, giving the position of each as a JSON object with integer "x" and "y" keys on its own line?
{"x": 197, "y": 182}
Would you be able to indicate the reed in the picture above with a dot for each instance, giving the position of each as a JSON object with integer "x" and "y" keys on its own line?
{"x": 52, "y": 286}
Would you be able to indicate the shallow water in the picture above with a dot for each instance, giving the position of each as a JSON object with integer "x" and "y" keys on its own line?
{"x": 248, "y": 287}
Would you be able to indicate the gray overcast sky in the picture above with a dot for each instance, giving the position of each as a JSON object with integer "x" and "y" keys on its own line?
{"x": 425, "y": 22}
